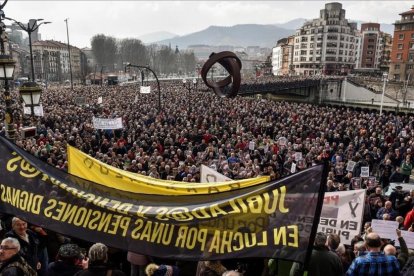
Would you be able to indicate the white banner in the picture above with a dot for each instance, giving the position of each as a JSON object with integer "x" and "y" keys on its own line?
{"x": 145, "y": 89}
{"x": 102, "y": 123}
{"x": 385, "y": 228}
{"x": 38, "y": 110}
{"x": 342, "y": 214}
{"x": 209, "y": 175}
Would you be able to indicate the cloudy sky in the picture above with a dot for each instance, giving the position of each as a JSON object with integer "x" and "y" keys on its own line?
{"x": 123, "y": 19}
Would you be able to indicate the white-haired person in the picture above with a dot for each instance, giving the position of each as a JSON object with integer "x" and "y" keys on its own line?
{"x": 11, "y": 262}
{"x": 98, "y": 263}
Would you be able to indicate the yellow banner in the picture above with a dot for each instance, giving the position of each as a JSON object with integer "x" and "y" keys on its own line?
{"x": 86, "y": 167}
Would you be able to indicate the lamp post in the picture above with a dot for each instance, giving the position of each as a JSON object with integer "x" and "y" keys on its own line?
{"x": 189, "y": 86}
{"x": 6, "y": 74}
{"x": 70, "y": 61}
{"x": 7, "y": 65}
{"x": 156, "y": 78}
{"x": 385, "y": 77}
{"x": 29, "y": 29}
{"x": 30, "y": 92}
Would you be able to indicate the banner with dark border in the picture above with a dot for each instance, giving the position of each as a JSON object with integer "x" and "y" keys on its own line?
{"x": 251, "y": 222}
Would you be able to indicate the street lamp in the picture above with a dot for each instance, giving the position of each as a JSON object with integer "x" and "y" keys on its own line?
{"x": 6, "y": 73}
{"x": 29, "y": 29}
{"x": 190, "y": 86}
{"x": 30, "y": 92}
{"x": 385, "y": 77}
{"x": 156, "y": 78}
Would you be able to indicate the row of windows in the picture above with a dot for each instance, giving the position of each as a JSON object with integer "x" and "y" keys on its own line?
{"x": 402, "y": 36}
{"x": 410, "y": 46}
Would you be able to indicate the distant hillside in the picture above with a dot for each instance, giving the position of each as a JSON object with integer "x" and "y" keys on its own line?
{"x": 156, "y": 36}
{"x": 239, "y": 35}
{"x": 292, "y": 24}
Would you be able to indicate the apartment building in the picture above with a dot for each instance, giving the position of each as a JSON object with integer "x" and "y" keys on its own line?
{"x": 402, "y": 54}
{"x": 51, "y": 61}
{"x": 282, "y": 56}
{"x": 326, "y": 45}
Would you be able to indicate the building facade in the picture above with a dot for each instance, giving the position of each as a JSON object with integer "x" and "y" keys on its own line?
{"x": 402, "y": 54}
{"x": 282, "y": 57}
{"x": 326, "y": 45}
{"x": 51, "y": 61}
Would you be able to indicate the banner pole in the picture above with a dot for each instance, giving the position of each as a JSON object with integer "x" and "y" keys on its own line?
{"x": 316, "y": 218}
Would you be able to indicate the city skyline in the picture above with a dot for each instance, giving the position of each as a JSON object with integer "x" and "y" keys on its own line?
{"x": 132, "y": 19}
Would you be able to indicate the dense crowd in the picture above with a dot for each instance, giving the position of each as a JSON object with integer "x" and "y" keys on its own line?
{"x": 241, "y": 138}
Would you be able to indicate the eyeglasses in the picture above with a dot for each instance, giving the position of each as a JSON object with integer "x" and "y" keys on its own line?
{"x": 2, "y": 247}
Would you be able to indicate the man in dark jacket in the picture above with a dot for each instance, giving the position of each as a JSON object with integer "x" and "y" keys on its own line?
{"x": 323, "y": 262}
{"x": 28, "y": 241}
{"x": 98, "y": 266}
{"x": 12, "y": 264}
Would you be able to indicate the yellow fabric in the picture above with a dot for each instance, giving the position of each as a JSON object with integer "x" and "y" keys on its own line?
{"x": 86, "y": 167}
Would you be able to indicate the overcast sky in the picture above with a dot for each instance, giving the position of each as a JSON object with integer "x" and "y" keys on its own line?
{"x": 123, "y": 19}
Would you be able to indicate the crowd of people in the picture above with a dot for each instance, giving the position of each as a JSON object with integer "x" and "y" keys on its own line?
{"x": 241, "y": 138}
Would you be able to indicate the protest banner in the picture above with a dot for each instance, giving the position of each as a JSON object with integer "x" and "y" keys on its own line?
{"x": 208, "y": 175}
{"x": 385, "y": 228}
{"x": 342, "y": 214}
{"x": 89, "y": 168}
{"x": 250, "y": 222}
{"x": 102, "y": 123}
{"x": 371, "y": 182}
{"x": 364, "y": 172}
{"x": 350, "y": 166}
{"x": 298, "y": 156}
{"x": 100, "y": 100}
{"x": 145, "y": 89}
{"x": 356, "y": 183}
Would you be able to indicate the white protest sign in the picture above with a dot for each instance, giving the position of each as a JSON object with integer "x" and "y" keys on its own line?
{"x": 208, "y": 175}
{"x": 385, "y": 228}
{"x": 102, "y": 123}
{"x": 342, "y": 214}
{"x": 293, "y": 168}
{"x": 364, "y": 172}
{"x": 350, "y": 166}
{"x": 408, "y": 238}
{"x": 356, "y": 183}
{"x": 403, "y": 133}
{"x": 371, "y": 182}
{"x": 145, "y": 89}
{"x": 251, "y": 145}
{"x": 298, "y": 156}
{"x": 99, "y": 100}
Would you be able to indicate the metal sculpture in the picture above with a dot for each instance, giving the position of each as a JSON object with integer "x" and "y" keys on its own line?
{"x": 233, "y": 65}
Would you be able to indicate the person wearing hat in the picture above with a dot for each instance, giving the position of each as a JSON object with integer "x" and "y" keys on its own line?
{"x": 323, "y": 262}
{"x": 68, "y": 261}
{"x": 98, "y": 263}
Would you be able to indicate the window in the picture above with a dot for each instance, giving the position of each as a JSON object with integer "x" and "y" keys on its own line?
{"x": 400, "y": 46}
{"x": 397, "y": 66}
{"x": 399, "y": 56}
{"x": 401, "y": 36}
{"x": 411, "y": 57}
